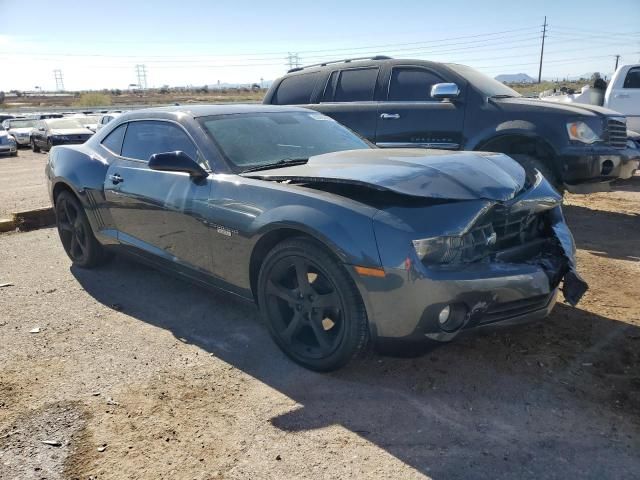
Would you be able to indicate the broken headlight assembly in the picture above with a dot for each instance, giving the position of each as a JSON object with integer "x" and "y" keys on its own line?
{"x": 582, "y": 132}
{"x": 438, "y": 249}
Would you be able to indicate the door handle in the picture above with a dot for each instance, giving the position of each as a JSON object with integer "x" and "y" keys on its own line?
{"x": 621, "y": 95}
{"x": 390, "y": 116}
{"x": 116, "y": 178}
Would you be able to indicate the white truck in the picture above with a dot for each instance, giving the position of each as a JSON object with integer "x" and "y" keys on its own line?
{"x": 622, "y": 95}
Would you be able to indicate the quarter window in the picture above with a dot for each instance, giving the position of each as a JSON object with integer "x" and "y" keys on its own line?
{"x": 356, "y": 85}
{"x": 144, "y": 138}
{"x": 632, "y": 79}
{"x": 296, "y": 89}
{"x": 411, "y": 84}
{"x": 113, "y": 141}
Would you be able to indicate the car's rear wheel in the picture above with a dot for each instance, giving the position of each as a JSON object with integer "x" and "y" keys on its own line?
{"x": 49, "y": 145}
{"x": 311, "y": 306}
{"x": 75, "y": 233}
{"x": 34, "y": 147}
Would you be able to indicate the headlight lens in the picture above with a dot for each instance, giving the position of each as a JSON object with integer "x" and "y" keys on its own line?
{"x": 438, "y": 249}
{"x": 581, "y": 132}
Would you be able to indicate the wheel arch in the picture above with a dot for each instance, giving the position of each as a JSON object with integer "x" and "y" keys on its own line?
{"x": 523, "y": 142}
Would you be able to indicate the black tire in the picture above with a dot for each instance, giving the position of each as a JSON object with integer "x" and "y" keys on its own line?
{"x": 34, "y": 147}
{"x": 530, "y": 163}
{"x": 76, "y": 234}
{"x": 321, "y": 322}
{"x": 14, "y": 154}
{"x": 49, "y": 145}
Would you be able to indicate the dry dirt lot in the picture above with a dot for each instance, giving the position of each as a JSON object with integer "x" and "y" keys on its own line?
{"x": 22, "y": 182}
{"x": 138, "y": 375}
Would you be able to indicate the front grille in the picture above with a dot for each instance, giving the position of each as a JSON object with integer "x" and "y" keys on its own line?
{"x": 616, "y": 133}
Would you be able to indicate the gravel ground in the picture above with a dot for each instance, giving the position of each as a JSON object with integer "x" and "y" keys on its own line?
{"x": 134, "y": 374}
{"x": 22, "y": 182}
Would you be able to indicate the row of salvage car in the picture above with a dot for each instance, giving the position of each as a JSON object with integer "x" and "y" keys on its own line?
{"x": 43, "y": 131}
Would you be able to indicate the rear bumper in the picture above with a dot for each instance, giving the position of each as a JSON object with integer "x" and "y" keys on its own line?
{"x": 597, "y": 164}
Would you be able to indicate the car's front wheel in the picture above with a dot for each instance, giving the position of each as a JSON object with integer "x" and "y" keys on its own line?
{"x": 34, "y": 147}
{"x": 76, "y": 234}
{"x": 311, "y": 306}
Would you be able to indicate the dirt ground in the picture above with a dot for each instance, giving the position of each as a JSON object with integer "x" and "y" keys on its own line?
{"x": 22, "y": 182}
{"x": 136, "y": 375}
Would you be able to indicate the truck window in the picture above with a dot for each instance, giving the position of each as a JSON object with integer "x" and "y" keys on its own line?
{"x": 632, "y": 80}
{"x": 411, "y": 84}
{"x": 296, "y": 89}
{"x": 356, "y": 85}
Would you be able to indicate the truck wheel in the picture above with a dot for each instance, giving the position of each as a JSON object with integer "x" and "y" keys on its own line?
{"x": 34, "y": 147}
{"x": 530, "y": 163}
{"x": 311, "y": 306}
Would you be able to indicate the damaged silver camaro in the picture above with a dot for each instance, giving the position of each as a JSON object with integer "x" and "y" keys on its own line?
{"x": 339, "y": 243}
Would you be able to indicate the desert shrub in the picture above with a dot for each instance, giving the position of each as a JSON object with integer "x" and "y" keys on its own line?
{"x": 93, "y": 99}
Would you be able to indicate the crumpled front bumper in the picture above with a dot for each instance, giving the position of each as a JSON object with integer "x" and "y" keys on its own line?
{"x": 597, "y": 164}
{"x": 514, "y": 286}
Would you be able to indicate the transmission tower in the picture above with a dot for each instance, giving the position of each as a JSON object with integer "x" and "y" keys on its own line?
{"x": 293, "y": 60}
{"x": 141, "y": 73}
{"x": 59, "y": 82}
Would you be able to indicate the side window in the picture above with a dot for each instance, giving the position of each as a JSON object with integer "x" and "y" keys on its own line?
{"x": 327, "y": 95}
{"x": 411, "y": 84}
{"x": 147, "y": 137}
{"x": 113, "y": 142}
{"x": 632, "y": 80}
{"x": 356, "y": 85}
{"x": 296, "y": 89}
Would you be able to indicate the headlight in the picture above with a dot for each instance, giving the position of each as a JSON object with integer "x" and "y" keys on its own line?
{"x": 438, "y": 249}
{"x": 581, "y": 132}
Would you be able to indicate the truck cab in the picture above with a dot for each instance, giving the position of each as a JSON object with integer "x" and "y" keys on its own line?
{"x": 416, "y": 103}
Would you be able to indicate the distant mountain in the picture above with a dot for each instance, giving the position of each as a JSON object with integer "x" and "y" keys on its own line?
{"x": 515, "y": 78}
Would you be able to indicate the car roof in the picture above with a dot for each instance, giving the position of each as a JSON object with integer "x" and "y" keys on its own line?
{"x": 210, "y": 110}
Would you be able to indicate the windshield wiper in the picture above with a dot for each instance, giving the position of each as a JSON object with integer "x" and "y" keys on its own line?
{"x": 285, "y": 162}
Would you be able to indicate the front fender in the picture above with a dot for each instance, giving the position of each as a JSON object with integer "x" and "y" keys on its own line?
{"x": 522, "y": 128}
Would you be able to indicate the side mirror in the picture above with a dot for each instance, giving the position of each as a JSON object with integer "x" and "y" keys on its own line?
{"x": 442, "y": 91}
{"x": 176, "y": 162}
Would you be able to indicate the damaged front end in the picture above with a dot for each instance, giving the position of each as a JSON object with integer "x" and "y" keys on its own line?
{"x": 474, "y": 264}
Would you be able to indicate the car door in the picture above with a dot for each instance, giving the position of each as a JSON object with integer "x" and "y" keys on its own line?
{"x": 410, "y": 117}
{"x": 349, "y": 97}
{"x": 39, "y": 134}
{"x": 159, "y": 215}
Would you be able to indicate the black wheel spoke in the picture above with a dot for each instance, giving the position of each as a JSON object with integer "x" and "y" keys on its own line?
{"x": 302, "y": 270}
{"x": 74, "y": 245}
{"x": 289, "y": 333}
{"x": 327, "y": 300}
{"x": 322, "y": 337}
{"x": 279, "y": 291}
{"x": 66, "y": 212}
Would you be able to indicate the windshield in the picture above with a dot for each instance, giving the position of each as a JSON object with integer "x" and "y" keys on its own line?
{"x": 485, "y": 84}
{"x": 254, "y": 139}
{"x": 64, "y": 123}
{"x": 21, "y": 123}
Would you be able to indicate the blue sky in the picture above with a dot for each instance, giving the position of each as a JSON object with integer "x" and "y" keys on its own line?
{"x": 97, "y": 44}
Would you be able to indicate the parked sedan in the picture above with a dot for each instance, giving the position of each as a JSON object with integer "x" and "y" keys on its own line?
{"x": 341, "y": 244}
{"x": 8, "y": 144}
{"x": 58, "y": 131}
{"x": 20, "y": 129}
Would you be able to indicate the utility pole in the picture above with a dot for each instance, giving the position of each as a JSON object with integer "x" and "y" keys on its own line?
{"x": 544, "y": 34}
{"x": 293, "y": 60}
{"x": 59, "y": 82}
{"x": 617, "y": 58}
{"x": 141, "y": 73}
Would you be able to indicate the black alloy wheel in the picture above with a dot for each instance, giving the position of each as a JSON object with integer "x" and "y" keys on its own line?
{"x": 75, "y": 232}
{"x": 312, "y": 308}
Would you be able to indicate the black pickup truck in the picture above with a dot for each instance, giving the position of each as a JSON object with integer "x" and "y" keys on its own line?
{"x": 416, "y": 103}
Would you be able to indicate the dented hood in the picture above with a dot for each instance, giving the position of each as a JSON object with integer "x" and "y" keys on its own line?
{"x": 412, "y": 171}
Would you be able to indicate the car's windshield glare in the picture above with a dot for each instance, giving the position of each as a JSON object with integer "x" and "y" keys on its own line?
{"x": 21, "y": 123}
{"x": 64, "y": 123}
{"x": 488, "y": 86}
{"x": 251, "y": 140}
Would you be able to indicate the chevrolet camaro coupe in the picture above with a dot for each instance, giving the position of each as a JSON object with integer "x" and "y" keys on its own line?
{"x": 340, "y": 244}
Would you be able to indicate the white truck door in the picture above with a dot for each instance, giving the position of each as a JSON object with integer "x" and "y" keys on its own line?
{"x": 624, "y": 95}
